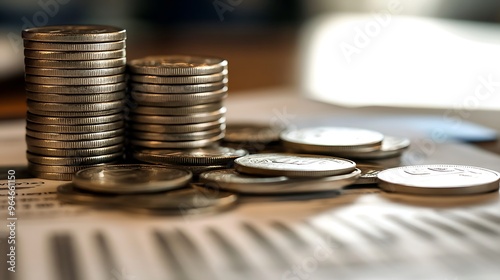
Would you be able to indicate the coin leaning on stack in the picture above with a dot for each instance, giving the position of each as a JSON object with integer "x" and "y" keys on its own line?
{"x": 177, "y": 101}
{"x": 75, "y": 84}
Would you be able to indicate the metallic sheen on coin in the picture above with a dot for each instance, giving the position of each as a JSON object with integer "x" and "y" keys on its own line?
{"x": 329, "y": 140}
{"x": 177, "y": 65}
{"x": 203, "y": 156}
{"x": 131, "y": 178}
{"x": 293, "y": 165}
{"x": 74, "y": 33}
{"x": 439, "y": 179}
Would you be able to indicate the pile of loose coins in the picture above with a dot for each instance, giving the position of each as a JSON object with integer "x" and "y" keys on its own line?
{"x": 75, "y": 84}
{"x": 189, "y": 162}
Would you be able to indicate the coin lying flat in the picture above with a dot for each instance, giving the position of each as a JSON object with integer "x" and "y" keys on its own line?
{"x": 184, "y": 128}
{"x": 91, "y": 128}
{"x": 187, "y": 198}
{"x": 76, "y": 64}
{"x": 331, "y": 140}
{"x": 178, "y": 100}
{"x": 52, "y": 175}
{"x": 83, "y": 144}
{"x": 192, "y": 136}
{"x": 74, "y": 72}
{"x": 178, "y": 144}
{"x": 177, "y": 65}
{"x": 75, "y": 114}
{"x": 194, "y": 88}
{"x": 391, "y": 147}
{"x": 176, "y": 80}
{"x": 75, "y": 136}
{"x": 75, "y": 33}
{"x": 80, "y": 107}
{"x": 75, "y": 98}
{"x": 80, "y": 160}
{"x": 80, "y": 47}
{"x": 176, "y": 111}
{"x": 203, "y": 156}
{"x": 439, "y": 179}
{"x": 74, "y": 120}
{"x": 193, "y": 118}
{"x": 56, "y": 55}
{"x": 94, "y": 89}
{"x": 75, "y": 81}
{"x": 229, "y": 179}
{"x": 293, "y": 165}
{"x": 59, "y": 168}
{"x": 131, "y": 178}
{"x": 91, "y": 152}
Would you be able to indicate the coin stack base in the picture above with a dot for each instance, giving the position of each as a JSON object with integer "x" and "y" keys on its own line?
{"x": 75, "y": 83}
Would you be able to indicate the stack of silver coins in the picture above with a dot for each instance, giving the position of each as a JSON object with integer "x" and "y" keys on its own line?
{"x": 177, "y": 101}
{"x": 75, "y": 83}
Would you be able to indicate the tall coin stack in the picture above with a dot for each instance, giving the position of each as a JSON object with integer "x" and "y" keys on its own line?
{"x": 177, "y": 101}
{"x": 75, "y": 83}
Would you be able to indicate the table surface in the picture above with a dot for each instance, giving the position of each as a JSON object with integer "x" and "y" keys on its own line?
{"x": 357, "y": 233}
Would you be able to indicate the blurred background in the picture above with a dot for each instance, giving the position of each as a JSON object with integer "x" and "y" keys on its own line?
{"x": 262, "y": 40}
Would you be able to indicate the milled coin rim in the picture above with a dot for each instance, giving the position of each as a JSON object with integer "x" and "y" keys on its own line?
{"x": 74, "y": 55}
{"x": 192, "y": 136}
{"x": 75, "y": 47}
{"x": 81, "y": 180}
{"x": 78, "y": 107}
{"x": 178, "y": 128}
{"x": 85, "y": 128}
{"x": 55, "y": 152}
{"x": 281, "y": 184}
{"x": 50, "y": 34}
{"x": 178, "y": 144}
{"x": 186, "y": 119}
{"x": 93, "y": 89}
{"x": 176, "y": 111}
{"x": 75, "y": 195}
{"x": 178, "y": 100}
{"x": 244, "y": 167}
{"x": 74, "y": 160}
{"x": 73, "y": 120}
{"x": 384, "y": 152}
{"x": 149, "y": 65}
{"x": 190, "y": 156}
{"x": 176, "y": 80}
{"x": 75, "y": 81}
{"x": 50, "y": 72}
{"x": 75, "y": 64}
{"x": 409, "y": 187}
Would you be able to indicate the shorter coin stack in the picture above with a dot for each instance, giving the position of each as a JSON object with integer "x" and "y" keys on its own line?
{"x": 75, "y": 83}
{"x": 177, "y": 101}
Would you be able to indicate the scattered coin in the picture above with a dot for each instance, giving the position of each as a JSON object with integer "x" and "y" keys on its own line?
{"x": 131, "y": 178}
{"x": 391, "y": 147}
{"x": 332, "y": 140}
{"x": 439, "y": 179}
{"x": 203, "y": 156}
{"x": 368, "y": 173}
{"x": 293, "y": 165}
{"x": 231, "y": 180}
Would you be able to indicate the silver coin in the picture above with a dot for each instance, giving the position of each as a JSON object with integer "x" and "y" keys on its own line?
{"x": 95, "y": 89}
{"x": 75, "y": 64}
{"x": 56, "y": 55}
{"x": 184, "y": 80}
{"x": 75, "y": 33}
{"x": 73, "y": 121}
{"x": 293, "y": 165}
{"x": 83, "y": 144}
{"x": 177, "y": 65}
{"x": 195, "y": 169}
{"x": 75, "y": 98}
{"x": 80, "y": 107}
{"x": 183, "y": 199}
{"x": 439, "y": 179}
{"x": 53, "y": 152}
{"x": 193, "y": 118}
{"x": 251, "y": 133}
{"x": 75, "y": 136}
{"x": 70, "y": 194}
{"x": 152, "y": 88}
{"x": 185, "y": 128}
{"x": 71, "y": 47}
{"x": 75, "y": 114}
{"x": 369, "y": 173}
{"x": 75, "y": 81}
{"x": 48, "y": 72}
{"x": 229, "y": 179}
{"x": 177, "y": 145}
{"x": 203, "y": 156}
{"x": 79, "y": 160}
{"x": 91, "y": 128}
{"x": 199, "y": 135}
{"x": 176, "y": 111}
{"x": 33, "y": 167}
{"x": 391, "y": 147}
{"x": 330, "y": 140}
{"x": 131, "y": 178}
{"x": 178, "y": 100}
{"x": 52, "y": 175}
